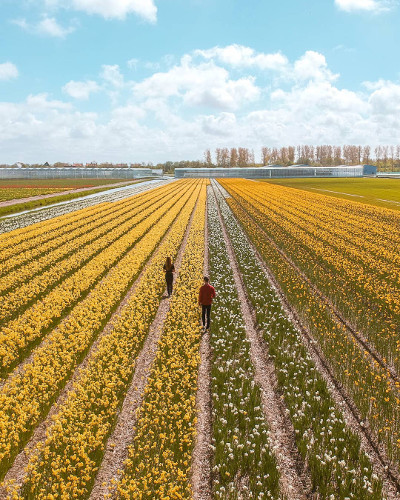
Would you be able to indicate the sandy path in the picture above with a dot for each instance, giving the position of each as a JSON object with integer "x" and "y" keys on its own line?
{"x": 378, "y": 457}
{"x": 16, "y": 473}
{"x": 16, "y": 201}
{"x": 116, "y": 450}
{"x": 295, "y": 481}
{"x": 202, "y": 452}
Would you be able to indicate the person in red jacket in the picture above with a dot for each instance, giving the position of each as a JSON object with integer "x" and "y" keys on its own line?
{"x": 206, "y": 295}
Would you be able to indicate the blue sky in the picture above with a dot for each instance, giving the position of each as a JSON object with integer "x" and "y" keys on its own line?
{"x": 145, "y": 80}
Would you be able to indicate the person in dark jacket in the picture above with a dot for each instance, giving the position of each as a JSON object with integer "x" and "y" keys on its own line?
{"x": 206, "y": 295}
{"x": 169, "y": 270}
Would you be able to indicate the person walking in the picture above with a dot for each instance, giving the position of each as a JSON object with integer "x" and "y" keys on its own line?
{"x": 169, "y": 270}
{"x": 206, "y": 295}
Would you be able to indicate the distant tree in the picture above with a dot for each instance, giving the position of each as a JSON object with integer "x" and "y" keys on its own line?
{"x": 291, "y": 154}
{"x": 218, "y": 157}
{"x": 234, "y": 158}
{"x": 243, "y": 157}
{"x": 265, "y": 155}
{"x": 337, "y": 155}
{"x": 366, "y": 156}
{"x": 207, "y": 158}
{"x": 225, "y": 158}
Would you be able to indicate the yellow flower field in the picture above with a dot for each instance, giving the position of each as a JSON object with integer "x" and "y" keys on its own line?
{"x": 79, "y": 292}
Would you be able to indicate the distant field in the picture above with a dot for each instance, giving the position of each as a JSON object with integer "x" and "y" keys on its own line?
{"x": 55, "y": 183}
{"x": 374, "y": 191}
{"x": 13, "y": 189}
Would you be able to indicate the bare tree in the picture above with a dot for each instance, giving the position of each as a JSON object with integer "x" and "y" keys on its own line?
{"x": 265, "y": 155}
{"x": 243, "y": 157}
{"x": 233, "y": 162}
{"x": 366, "y": 154}
{"x": 225, "y": 157}
{"x": 207, "y": 158}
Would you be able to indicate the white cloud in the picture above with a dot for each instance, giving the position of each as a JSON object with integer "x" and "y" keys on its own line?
{"x": 81, "y": 90}
{"x": 132, "y": 63}
{"x": 48, "y": 26}
{"x": 312, "y": 66}
{"x": 195, "y": 104}
{"x": 385, "y": 100}
{"x": 246, "y": 57}
{"x": 110, "y": 9}
{"x": 204, "y": 84}
{"x": 8, "y": 71}
{"x": 219, "y": 125}
{"x": 362, "y": 5}
{"x": 112, "y": 75}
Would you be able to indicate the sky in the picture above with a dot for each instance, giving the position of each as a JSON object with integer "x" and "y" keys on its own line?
{"x": 153, "y": 81}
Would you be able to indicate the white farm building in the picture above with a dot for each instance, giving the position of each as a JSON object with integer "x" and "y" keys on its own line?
{"x": 277, "y": 172}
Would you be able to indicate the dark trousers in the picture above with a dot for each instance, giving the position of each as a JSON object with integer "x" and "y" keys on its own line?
{"x": 206, "y": 310}
{"x": 169, "y": 280}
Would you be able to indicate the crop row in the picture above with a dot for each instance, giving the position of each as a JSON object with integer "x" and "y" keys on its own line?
{"x": 30, "y": 326}
{"x": 69, "y": 254}
{"x": 27, "y": 395}
{"x": 87, "y": 417}
{"x": 158, "y": 465}
{"x": 332, "y": 452}
{"x": 15, "y": 193}
{"x": 46, "y": 243}
{"x": 244, "y": 466}
{"x": 365, "y": 288}
{"x": 27, "y": 228}
{"x": 367, "y": 383}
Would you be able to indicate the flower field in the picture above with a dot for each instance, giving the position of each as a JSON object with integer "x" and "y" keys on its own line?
{"x": 307, "y": 308}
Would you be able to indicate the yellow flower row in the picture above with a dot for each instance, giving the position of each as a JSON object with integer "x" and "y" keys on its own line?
{"x": 26, "y": 397}
{"x": 158, "y": 465}
{"x": 87, "y": 418}
{"x": 18, "y": 334}
{"x": 369, "y": 385}
{"x": 57, "y": 239}
{"x": 332, "y": 226}
{"x": 35, "y": 235}
{"x": 364, "y": 286}
{"x": 32, "y": 289}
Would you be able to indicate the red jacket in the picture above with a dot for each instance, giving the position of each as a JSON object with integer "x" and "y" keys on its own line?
{"x": 206, "y": 295}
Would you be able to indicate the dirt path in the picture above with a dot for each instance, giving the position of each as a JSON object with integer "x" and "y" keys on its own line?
{"x": 60, "y": 193}
{"x": 295, "y": 482}
{"x": 116, "y": 450}
{"x": 16, "y": 473}
{"x": 353, "y": 420}
{"x": 202, "y": 453}
{"x": 360, "y": 339}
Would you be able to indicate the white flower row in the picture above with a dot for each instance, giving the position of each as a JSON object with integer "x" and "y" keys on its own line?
{"x": 332, "y": 452}
{"x": 244, "y": 466}
{"x": 17, "y": 221}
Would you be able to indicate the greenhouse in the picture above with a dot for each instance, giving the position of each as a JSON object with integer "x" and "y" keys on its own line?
{"x": 77, "y": 173}
{"x": 277, "y": 172}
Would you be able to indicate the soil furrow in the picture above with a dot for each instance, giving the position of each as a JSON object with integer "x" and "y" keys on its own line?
{"x": 295, "y": 480}
{"x": 353, "y": 419}
{"x": 116, "y": 451}
{"x": 202, "y": 453}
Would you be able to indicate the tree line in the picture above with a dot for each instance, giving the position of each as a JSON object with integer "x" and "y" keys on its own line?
{"x": 385, "y": 157}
